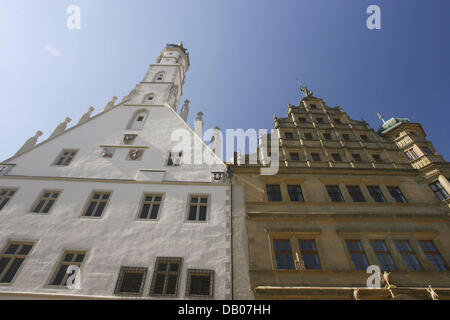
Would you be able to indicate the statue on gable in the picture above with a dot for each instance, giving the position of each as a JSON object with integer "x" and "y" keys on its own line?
{"x": 306, "y": 91}
{"x": 111, "y": 104}
{"x": 86, "y": 116}
{"x": 60, "y": 128}
{"x": 30, "y": 143}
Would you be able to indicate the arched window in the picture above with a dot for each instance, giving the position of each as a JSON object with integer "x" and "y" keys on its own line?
{"x": 160, "y": 76}
{"x": 138, "y": 120}
{"x": 150, "y": 98}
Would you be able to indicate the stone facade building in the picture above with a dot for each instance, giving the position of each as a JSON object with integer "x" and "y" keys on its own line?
{"x": 107, "y": 209}
{"x": 345, "y": 198}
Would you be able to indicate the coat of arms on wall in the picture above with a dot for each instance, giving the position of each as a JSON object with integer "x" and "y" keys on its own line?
{"x": 135, "y": 154}
{"x": 107, "y": 152}
{"x": 128, "y": 138}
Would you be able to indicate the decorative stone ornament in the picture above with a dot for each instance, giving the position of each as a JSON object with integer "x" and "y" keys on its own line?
{"x": 86, "y": 116}
{"x": 217, "y": 176}
{"x": 128, "y": 138}
{"x": 135, "y": 154}
{"x": 60, "y": 128}
{"x": 108, "y": 152}
{"x": 30, "y": 143}
{"x": 111, "y": 103}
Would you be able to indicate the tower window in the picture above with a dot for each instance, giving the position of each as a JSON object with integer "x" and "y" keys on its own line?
{"x": 160, "y": 76}
{"x": 12, "y": 259}
{"x": 411, "y": 154}
{"x": 397, "y": 194}
{"x": 439, "y": 191}
{"x": 376, "y": 193}
{"x": 273, "y": 192}
{"x": 131, "y": 281}
{"x": 45, "y": 201}
{"x": 426, "y": 150}
{"x": 335, "y": 193}
{"x": 356, "y": 194}
{"x": 138, "y": 120}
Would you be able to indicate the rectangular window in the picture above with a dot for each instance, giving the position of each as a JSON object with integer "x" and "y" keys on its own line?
{"x": 376, "y": 193}
{"x": 356, "y": 194}
{"x": 315, "y": 156}
{"x": 357, "y": 254}
{"x": 335, "y": 193}
{"x": 364, "y": 138}
{"x": 301, "y": 119}
{"x": 12, "y": 259}
{"x": 175, "y": 159}
{"x": 411, "y": 154}
{"x": 310, "y": 255}
{"x": 439, "y": 191}
{"x": 70, "y": 258}
{"x": 383, "y": 255}
{"x": 376, "y": 158}
{"x": 198, "y": 208}
{"x": 397, "y": 194}
{"x": 5, "y": 196}
{"x": 327, "y": 136}
{"x": 294, "y": 156}
{"x": 313, "y": 106}
{"x": 97, "y": 204}
{"x": 150, "y": 206}
{"x": 408, "y": 255}
{"x": 45, "y": 201}
{"x": 337, "y": 120}
{"x": 346, "y": 137}
{"x": 336, "y": 157}
{"x": 308, "y": 136}
{"x": 433, "y": 255}
{"x": 165, "y": 277}
{"x": 283, "y": 254}
{"x": 273, "y": 192}
{"x": 356, "y": 157}
{"x": 295, "y": 193}
{"x": 65, "y": 157}
{"x": 288, "y": 136}
{"x": 319, "y": 120}
{"x": 131, "y": 281}
{"x": 200, "y": 283}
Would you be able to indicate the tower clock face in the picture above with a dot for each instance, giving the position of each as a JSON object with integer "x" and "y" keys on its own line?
{"x": 129, "y": 138}
{"x": 135, "y": 154}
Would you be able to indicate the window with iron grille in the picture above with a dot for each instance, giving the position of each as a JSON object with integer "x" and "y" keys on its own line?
{"x": 12, "y": 258}
{"x": 45, "y": 201}
{"x": 283, "y": 254}
{"x": 295, "y": 193}
{"x": 310, "y": 255}
{"x": 335, "y": 193}
{"x": 439, "y": 191}
{"x": 336, "y": 157}
{"x": 295, "y": 156}
{"x": 376, "y": 193}
{"x": 315, "y": 156}
{"x": 357, "y": 254}
{"x": 150, "y": 206}
{"x": 131, "y": 281}
{"x": 97, "y": 204}
{"x": 5, "y": 196}
{"x": 65, "y": 157}
{"x": 397, "y": 194}
{"x": 273, "y": 192}
{"x": 432, "y": 253}
{"x": 200, "y": 283}
{"x": 356, "y": 194}
{"x": 383, "y": 255}
{"x": 165, "y": 277}
{"x": 408, "y": 255}
{"x": 70, "y": 258}
{"x": 198, "y": 208}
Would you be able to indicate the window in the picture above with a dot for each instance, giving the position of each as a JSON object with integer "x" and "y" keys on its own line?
{"x": 138, "y": 120}
{"x": 5, "y": 196}
{"x": 97, "y": 204}
{"x": 383, "y": 255}
{"x": 319, "y": 120}
{"x": 149, "y": 98}
{"x": 12, "y": 259}
{"x": 200, "y": 283}
{"x": 364, "y": 138}
{"x": 70, "y": 258}
{"x": 433, "y": 255}
{"x": 335, "y": 193}
{"x": 411, "y": 154}
{"x": 289, "y": 135}
{"x": 175, "y": 159}
{"x": 65, "y": 157}
{"x": 397, "y": 194}
{"x": 439, "y": 191}
{"x": 376, "y": 193}
{"x": 301, "y": 119}
{"x": 315, "y": 156}
{"x": 131, "y": 281}
{"x": 160, "y": 76}
{"x": 308, "y": 136}
{"x": 45, "y": 201}
{"x": 283, "y": 254}
{"x": 310, "y": 255}
{"x": 150, "y": 206}
{"x": 295, "y": 193}
{"x": 327, "y": 136}
{"x": 337, "y": 121}
{"x": 313, "y": 106}
{"x": 198, "y": 208}
{"x": 346, "y": 137}
{"x": 295, "y": 156}
{"x": 376, "y": 158}
{"x": 356, "y": 157}
{"x": 357, "y": 254}
{"x": 356, "y": 194}
{"x": 336, "y": 157}
{"x": 408, "y": 255}
{"x": 273, "y": 192}
{"x": 426, "y": 150}
{"x": 165, "y": 277}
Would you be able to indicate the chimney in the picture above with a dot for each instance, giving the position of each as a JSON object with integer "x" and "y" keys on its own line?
{"x": 198, "y": 125}
{"x": 185, "y": 110}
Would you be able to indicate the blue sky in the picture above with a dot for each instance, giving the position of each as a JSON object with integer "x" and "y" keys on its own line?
{"x": 245, "y": 59}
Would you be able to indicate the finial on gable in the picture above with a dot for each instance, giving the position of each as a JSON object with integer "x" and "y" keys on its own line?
{"x": 29, "y": 144}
